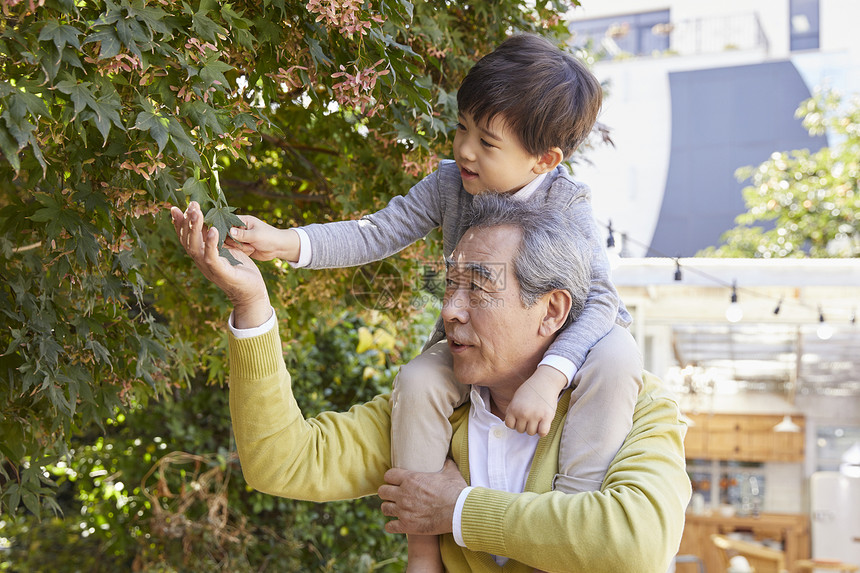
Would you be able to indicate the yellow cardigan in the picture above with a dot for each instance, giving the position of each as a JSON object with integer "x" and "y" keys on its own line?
{"x": 633, "y": 524}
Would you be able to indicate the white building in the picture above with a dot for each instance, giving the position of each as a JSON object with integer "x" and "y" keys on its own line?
{"x": 696, "y": 90}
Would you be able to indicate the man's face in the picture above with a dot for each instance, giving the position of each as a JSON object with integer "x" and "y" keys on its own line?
{"x": 493, "y": 338}
{"x": 491, "y": 157}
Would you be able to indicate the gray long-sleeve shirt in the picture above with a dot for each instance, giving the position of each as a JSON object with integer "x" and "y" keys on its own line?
{"x": 439, "y": 200}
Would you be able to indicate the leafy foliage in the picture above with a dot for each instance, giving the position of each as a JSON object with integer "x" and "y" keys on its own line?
{"x": 810, "y": 201}
{"x": 161, "y": 488}
{"x": 110, "y": 110}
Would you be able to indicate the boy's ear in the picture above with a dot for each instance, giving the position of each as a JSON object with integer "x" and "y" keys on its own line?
{"x": 549, "y": 161}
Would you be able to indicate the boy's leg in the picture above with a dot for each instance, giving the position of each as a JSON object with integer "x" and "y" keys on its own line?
{"x": 601, "y": 411}
{"x": 424, "y": 397}
{"x": 425, "y": 394}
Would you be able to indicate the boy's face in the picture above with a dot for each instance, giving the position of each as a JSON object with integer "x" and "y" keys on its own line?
{"x": 491, "y": 157}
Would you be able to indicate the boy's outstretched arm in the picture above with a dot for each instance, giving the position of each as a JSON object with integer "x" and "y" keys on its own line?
{"x": 263, "y": 242}
{"x": 533, "y": 406}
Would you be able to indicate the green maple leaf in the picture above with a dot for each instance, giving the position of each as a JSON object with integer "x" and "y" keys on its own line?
{"x": 222, "y": 218}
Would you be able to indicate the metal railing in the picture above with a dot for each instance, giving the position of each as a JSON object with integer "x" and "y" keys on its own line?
{"x": 709, "y": 35}
{"x": 623, "y": 39}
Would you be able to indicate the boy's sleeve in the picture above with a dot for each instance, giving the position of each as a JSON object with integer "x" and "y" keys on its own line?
{"x": 602, "y": 305}
{"x": 403, "y": 221}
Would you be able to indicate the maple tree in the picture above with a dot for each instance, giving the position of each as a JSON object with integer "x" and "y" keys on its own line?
{"x": 111, "y": 110}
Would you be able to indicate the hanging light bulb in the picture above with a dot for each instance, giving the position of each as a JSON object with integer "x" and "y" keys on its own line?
{"x": 825, "y": 331}
{"x": 787, "y": 425}
{"x": 612, "y": 251}
{"x": 678, "y": 269}
{"x": 734, "y": 312}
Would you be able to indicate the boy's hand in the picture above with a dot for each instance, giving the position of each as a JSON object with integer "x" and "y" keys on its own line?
{"x": 533, "y": 406}
{"x": 263, "y": 242}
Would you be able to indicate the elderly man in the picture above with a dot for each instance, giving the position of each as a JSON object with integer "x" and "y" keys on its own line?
{"x": 505, "y": 300}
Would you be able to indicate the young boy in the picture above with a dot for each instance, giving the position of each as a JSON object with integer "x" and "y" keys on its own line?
{"x": 523, "y": 109}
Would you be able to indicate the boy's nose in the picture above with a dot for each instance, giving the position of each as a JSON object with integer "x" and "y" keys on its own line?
{"x": 467, "y": 151}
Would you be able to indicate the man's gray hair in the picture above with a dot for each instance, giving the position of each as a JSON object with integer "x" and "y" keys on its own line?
{"x": 551, "y": 255}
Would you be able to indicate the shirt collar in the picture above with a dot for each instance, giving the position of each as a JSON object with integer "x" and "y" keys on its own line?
{"x": 527, "y": 191}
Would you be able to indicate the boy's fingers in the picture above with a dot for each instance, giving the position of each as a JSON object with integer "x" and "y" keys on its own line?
{"x": 543, "y": 428}
{"x": 245, "y": 248}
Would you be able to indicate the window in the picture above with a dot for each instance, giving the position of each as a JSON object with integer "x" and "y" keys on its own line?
{"x": 831, "y": 444}
{"x": 803, "y": 24}
{"x": 636, "y": 34}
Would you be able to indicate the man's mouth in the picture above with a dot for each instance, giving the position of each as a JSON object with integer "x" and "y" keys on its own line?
{"x": 457, "y": 345}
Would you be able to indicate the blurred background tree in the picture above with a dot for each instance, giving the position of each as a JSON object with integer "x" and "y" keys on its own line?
{"x": 803, "y": 204}
{"x": 116, "y": 451}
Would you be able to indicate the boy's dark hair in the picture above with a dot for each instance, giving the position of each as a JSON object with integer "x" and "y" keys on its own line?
{"x": 547, "y": 96}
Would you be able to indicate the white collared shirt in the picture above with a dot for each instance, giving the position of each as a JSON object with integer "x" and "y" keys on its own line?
{"x": 529, "y": 190}
{"x": 499, "y": 458}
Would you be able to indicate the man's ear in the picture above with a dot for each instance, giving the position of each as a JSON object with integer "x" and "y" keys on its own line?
{"x": 558, "y": 304}
{"x": 549, "y": 161}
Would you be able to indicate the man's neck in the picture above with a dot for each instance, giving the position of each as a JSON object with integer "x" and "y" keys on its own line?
{"x": 499, "y": 402}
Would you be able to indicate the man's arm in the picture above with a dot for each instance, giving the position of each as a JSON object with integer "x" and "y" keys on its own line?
{"x": 335, "y": 456}
{"x": 330, "y": 457}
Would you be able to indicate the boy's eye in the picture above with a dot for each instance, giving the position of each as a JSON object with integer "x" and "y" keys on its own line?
{"x": 460, "y": 126}
{"x": 486, "y": 143}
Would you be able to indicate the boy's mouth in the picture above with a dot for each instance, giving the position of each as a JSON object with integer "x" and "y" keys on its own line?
{"x": 467, "y": 174}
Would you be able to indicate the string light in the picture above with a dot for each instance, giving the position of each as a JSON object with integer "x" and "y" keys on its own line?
{"x": 825, "y": 331}
{"x": 734, "y": 312}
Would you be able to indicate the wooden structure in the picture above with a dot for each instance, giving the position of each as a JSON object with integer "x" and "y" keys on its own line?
{"x": 790, "y": 531}
{"x": 763, "y": 559}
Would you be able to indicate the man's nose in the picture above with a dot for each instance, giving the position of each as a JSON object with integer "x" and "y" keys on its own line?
{"x": 455, "y": 306}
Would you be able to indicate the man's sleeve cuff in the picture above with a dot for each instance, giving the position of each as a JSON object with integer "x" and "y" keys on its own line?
{"x": 240, "y": 333}
{"x": 458, "y": 514}
{"x": 562, "y": 364}
{"x": 304, "y": 249}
